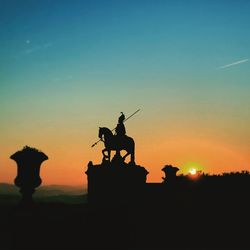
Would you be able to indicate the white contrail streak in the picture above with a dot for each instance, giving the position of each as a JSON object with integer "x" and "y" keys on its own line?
{"x": 234, "y": 63}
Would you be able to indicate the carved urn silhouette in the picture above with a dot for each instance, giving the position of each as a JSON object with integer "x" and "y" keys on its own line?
{"x": 170, "y": 173}
{"x": 28, "y": 161}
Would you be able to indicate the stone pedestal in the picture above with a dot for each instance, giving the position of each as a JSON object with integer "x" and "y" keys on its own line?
{"x": 115, "y": 182}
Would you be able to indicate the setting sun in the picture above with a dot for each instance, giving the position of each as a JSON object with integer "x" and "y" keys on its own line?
{"x": 193, "y": 171}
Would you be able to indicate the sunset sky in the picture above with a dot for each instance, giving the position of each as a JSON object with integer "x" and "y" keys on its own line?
{"x": 68, "y": 67}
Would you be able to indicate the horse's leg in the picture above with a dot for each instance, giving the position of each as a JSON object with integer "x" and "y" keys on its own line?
{"x": 130, "y": 148}
{"x": 109, "y": 152}
{"x": 133, "y": 157}
{"x": 132, "y": 153}
{"x": 103, "y": 153}
{"x": 124, "y": 157}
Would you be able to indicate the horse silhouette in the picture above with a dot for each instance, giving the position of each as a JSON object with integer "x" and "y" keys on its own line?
{"x": 117, "y": 143}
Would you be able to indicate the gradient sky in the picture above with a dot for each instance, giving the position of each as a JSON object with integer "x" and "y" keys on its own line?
{"x": 68, "y": 67}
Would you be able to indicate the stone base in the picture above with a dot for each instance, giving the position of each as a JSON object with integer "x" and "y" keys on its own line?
{"x": 115, "y": 181}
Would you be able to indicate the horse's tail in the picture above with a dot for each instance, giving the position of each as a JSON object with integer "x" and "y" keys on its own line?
{"x": 132, "y": 150}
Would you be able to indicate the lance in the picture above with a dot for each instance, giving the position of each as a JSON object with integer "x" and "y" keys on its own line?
{"x": 114, "y": 128}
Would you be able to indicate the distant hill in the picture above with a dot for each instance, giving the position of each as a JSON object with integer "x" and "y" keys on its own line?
{"x": 6, "y": 189}
{"x": 9, "y": 194}
{"x": 50, "y": 190}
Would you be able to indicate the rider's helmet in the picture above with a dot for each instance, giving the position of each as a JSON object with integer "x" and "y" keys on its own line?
{"x": 121, "y": 118}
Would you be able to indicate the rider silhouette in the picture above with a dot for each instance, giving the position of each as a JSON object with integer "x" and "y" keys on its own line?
{"x": 120, "y": 128}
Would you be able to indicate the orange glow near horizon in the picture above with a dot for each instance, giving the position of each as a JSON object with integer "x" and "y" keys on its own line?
{"x": 67, "y": 164}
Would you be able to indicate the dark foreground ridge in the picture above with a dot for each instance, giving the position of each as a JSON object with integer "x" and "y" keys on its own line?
{"x": 179, "y": 213}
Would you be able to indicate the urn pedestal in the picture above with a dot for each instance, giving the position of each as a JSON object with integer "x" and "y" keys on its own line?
{"x": 28, "y": 161}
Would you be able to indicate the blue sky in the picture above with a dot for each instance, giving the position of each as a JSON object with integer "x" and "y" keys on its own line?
{"x": 115, "y": 36}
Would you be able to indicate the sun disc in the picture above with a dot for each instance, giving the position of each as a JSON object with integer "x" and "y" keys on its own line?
{"x": 193, "y": 171}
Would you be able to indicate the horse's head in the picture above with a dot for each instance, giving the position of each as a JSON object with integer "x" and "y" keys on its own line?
{"x": 104, "y": 132}
{"x": 100, "y": 134}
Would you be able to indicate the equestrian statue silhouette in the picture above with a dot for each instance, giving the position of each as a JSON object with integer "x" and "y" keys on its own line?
{"x": 118, "y": 141}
